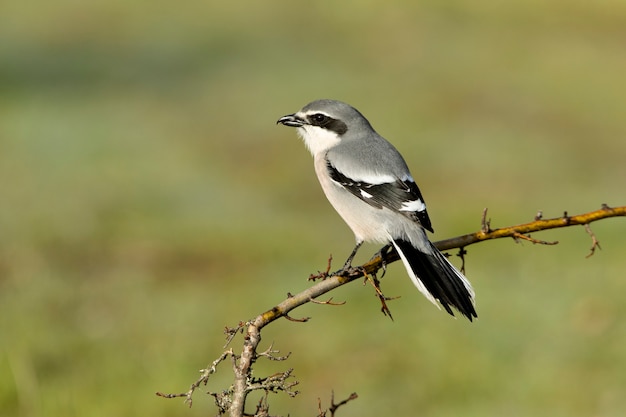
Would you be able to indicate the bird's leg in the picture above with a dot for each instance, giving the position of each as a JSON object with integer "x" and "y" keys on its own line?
{"x": 348, "y": 265}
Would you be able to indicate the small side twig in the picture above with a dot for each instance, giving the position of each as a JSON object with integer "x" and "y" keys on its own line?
{"x": 333, "y": 407}
{"x": 521, "y": 236}
{"x": 204, "y": 378}
{"x": 594, "y": 241}
{"x": 323, "y": 274}
{"x": 485, "y": 225}
{"x": 328, "y": 302}
{"x": 372, "y": 279}
{"x": 461, "y": 254}
{"x": 269, "y": 354}
{"x": 302, "y": 320}
{"x": 274, "y": 383}
{"x": 231, "y": 332}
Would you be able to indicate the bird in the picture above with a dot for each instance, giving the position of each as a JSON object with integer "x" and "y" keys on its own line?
{"x": 369, "y": 184}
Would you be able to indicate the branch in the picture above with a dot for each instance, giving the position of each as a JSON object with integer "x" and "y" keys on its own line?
{"x": 252, "y": 339}
{"x": 534, "y": 226}
{"x": 235, "y": 398}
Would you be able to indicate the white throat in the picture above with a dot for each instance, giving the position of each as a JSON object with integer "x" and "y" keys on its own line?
{"x": 318, "y": 139}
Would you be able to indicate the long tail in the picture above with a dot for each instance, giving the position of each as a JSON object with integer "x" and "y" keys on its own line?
{"x": 437, "y": 279}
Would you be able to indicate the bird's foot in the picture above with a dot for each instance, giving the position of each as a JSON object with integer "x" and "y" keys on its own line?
{"x": 348, "y": 270}
{"x": 382, "y": 253}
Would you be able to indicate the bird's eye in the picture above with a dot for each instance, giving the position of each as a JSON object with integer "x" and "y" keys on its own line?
{"x": 319, "y": 118}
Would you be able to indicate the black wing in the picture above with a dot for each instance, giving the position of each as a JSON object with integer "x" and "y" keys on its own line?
{"x": 401, "y": 196}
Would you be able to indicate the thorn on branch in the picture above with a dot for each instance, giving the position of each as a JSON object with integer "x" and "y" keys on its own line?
{"x": 372, "y": 279}
{"x": 461, "y": 254}
{"x": 274, "y": 383}
{"x": 323, "y": 274}
{"x": 566, "y": 217}
{"x": 319, "y": 275}
{"x": 232, "y": 332}
{"x": 223, "y": 401}
{"x": 594, "y": 240}
{"x": 163, "y": 395}
{"x": 333, "y": 406}
{"x": 302, "y": 320}
{"x": 520, "y": 236}
{"x": 269, "y": 354}
{"x": 485, "y": 224}
{"x": 262, "y": 407}
{"x": 328, "y": 302}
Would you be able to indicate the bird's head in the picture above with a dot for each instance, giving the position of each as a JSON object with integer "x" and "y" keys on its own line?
{"x": 323, "y": 124}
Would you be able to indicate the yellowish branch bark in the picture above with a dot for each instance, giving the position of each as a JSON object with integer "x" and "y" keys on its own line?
{"x": 534, "y": 226}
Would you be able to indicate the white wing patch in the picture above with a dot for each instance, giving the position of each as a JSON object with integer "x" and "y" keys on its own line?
{"x": 365, "y": 194}
{"x": 415, "y": 205}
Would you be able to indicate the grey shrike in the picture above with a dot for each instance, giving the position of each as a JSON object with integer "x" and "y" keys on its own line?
{"x": 368, "y": 183}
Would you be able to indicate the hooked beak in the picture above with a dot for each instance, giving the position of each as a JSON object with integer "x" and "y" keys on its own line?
{"x": 292, "y": 120}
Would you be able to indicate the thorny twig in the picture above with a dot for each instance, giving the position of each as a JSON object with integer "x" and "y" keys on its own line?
{"x": 594, "y": 241}
{"x": 520, "y": 236}
{"x": 323, "y": 274}
{"x": 328, "y": 302}
{"x": 274, "y": 383}
{"x": 461, "y": 254}
{"x": 372, "y": 279}
{"x": 231, "y": 332}
{"x": 204, "y": 378}
{"x": 333, "y": 406}
{"x": 485, "y": 225}
{"x": 269, "y": 354}
{"x": 302, "y": 320}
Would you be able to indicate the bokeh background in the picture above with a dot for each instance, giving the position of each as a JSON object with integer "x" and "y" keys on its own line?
{"x": 148, "y": 200}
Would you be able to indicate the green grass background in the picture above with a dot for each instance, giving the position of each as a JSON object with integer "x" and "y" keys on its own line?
{"x": 147, "y": 200}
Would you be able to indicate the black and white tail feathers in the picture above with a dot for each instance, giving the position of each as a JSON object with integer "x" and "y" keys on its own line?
{"x": 437, "y": 279}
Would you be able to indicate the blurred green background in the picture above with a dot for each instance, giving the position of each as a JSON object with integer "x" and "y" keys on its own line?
{"x": 148, "y": 200}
